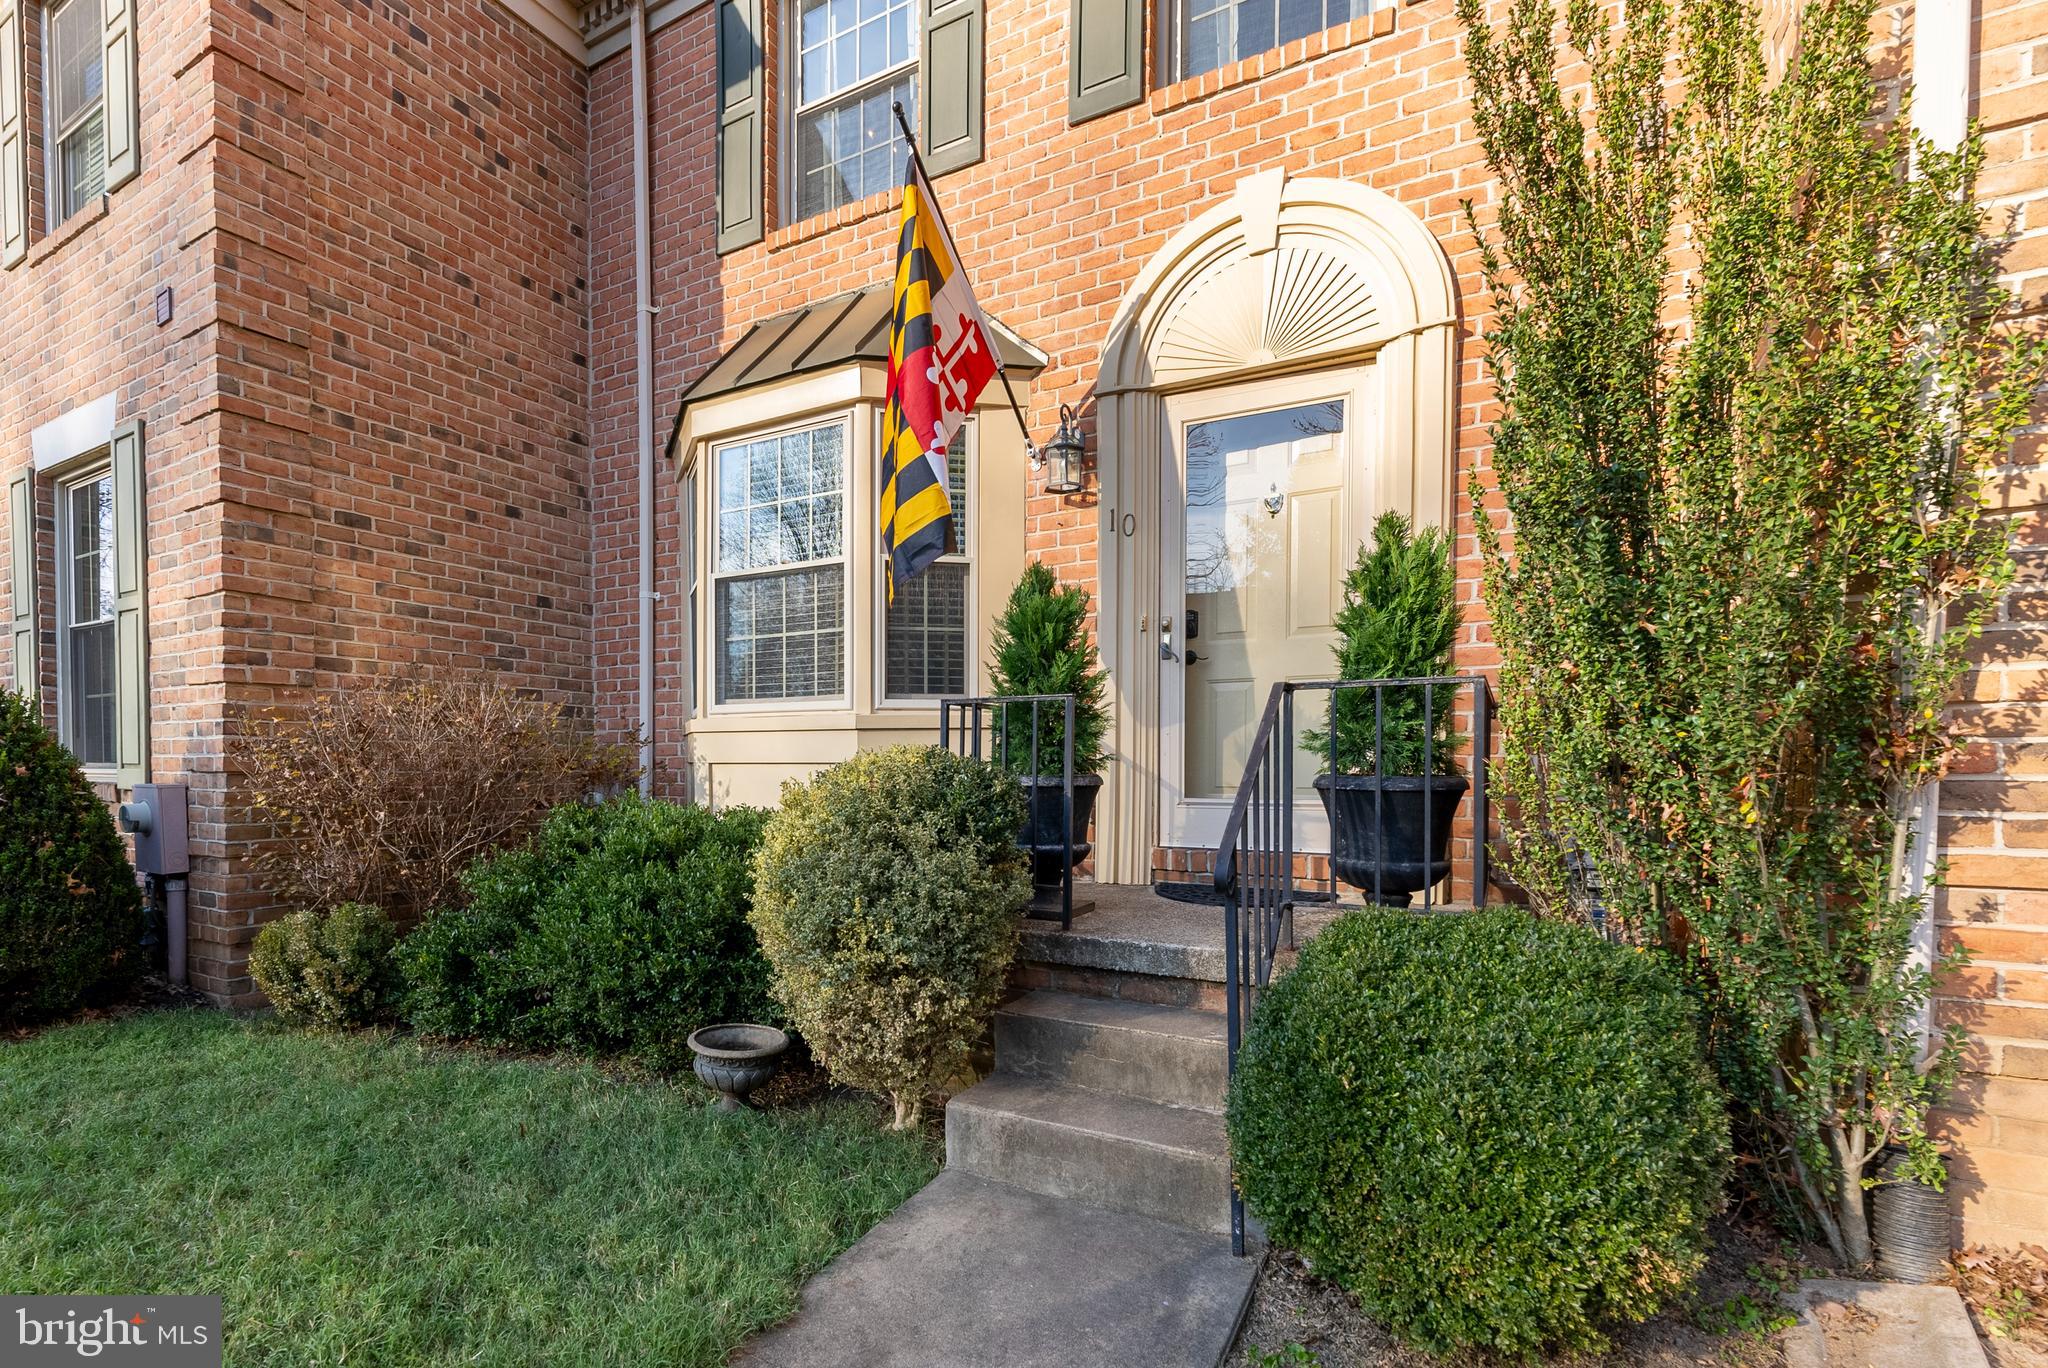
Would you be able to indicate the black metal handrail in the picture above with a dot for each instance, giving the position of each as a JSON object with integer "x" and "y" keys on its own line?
{"x": 991, "y": 716}
{"x": 1254, "y": 862}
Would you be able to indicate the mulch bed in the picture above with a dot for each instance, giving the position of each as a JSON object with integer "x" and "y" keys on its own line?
{"x": 1725, "y": 1322}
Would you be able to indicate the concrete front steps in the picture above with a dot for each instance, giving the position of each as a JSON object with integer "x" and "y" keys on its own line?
{"x": 1083, "y": 1217}
{"x": 1109, "y": 1065}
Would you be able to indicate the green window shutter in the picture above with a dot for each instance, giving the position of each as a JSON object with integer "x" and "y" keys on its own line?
{"x": 21, "y": 559}
{"x": 123, "y": 116}
{"x": 740, "y": 86}
{"x": 1106, "y": 57}
{"x": 950, "y": 77}
{"x": 131, "y": 609}
{"x": 13, "y": 138}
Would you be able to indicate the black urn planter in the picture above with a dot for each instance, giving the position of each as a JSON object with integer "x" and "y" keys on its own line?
{"x": 1044, "y": 833}
{"x": 1909, "y": 1223}
{"x": 734, "y": 1059}
{"x": 1376, "y": 831}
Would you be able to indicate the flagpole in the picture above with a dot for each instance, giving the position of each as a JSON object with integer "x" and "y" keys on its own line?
{"x": 1002, "y": 372}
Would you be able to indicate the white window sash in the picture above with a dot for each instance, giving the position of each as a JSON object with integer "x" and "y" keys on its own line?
{"x": 67, "y": 569}
{"x": 714, "y": 657}
{"x": 965, "y": 517}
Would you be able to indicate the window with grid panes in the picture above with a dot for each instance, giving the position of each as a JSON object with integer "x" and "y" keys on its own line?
{"x": 86, "y": 676}
{"x": 924, "y": 632}
{"x": 779, "y": 592}
{"x": 853, "y": 59}
{"x": 1216, "y": 33}
{"x": 74, "y": 74}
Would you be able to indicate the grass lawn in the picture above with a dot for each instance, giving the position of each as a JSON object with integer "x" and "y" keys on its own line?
{"x": 364, "y": 1200}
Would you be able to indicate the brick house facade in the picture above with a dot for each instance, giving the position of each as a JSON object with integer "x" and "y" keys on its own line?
{"x": 393, "y": 419}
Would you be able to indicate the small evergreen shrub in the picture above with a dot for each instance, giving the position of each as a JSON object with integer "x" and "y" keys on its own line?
{"x": 1495, "y": 1131}
{"x": 1042, "y": 647}
{"x": 620, "y": 928}
{"x": 328, "y": 969}
{"x": 71, "y": 918}
{"x": 888, "y": 890}
{"x": 1399, "y": 621}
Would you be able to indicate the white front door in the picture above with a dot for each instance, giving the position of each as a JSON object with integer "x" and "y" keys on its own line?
{"x": 1262, "y": 512}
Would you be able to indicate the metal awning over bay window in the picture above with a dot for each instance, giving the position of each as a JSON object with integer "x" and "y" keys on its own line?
{"x": 794, "y": 654}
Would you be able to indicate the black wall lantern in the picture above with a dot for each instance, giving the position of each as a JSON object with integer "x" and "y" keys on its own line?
{"x": 1063, "y": 455}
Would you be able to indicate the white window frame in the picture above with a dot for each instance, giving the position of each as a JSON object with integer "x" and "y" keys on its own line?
{"x": 792, "y": 88}
{"x": 965, "y": 517}
{"x": 90, "y": 470}
{"x": 843, "y": 700}
{"x": 54, "y": 187}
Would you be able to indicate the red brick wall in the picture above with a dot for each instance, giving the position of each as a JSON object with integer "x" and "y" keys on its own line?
{"x": 367, "y": 440}
{"x": 1994, "y": 805}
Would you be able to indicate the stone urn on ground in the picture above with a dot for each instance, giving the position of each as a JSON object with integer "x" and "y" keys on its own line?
{"x": 734, "y": 1059}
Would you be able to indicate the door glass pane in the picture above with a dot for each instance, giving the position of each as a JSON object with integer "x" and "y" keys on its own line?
{"x": 1264, "y": 565}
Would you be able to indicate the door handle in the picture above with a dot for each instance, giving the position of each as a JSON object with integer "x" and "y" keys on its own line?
{"x": 1192, "y": 657}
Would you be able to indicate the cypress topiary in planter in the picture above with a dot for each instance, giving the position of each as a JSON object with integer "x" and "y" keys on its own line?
{"x": 1390, "y": 821}
{"x": 1042, "y": 647}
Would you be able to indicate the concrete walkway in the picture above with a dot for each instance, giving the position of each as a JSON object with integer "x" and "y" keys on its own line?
{"x": 971, "y": 1273}
{"x": 1844, "y": 1324}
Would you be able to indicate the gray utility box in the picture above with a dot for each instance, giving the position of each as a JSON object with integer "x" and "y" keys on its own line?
{"x": 155, "y": 815}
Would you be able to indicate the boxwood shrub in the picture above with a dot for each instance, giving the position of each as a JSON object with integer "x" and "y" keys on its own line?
{"x": 328, "y": 969}
{"x": 71, "y": 918}
{"x": 1494, "y": 1131}
{"x": 619, "y": 928}
{"x": 890, "y": 887}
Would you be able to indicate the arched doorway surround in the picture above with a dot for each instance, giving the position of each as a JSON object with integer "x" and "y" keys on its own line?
{"x": 1289, "y": 275}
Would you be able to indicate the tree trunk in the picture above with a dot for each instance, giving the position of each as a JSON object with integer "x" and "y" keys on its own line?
{"x": 1853, "y": 1218}
{"x": 909, "y": 1110}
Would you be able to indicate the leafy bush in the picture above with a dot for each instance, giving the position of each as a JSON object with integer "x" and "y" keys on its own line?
{"x": 1042, "y": 647}
{"x": 1715, "y": 551}
{"x": 621, "y": 927}
{"x": 888, "y": 890}
{"x": 328, "y": 968}
{"x": 1495, "y": 1131}
{"x": 1399, "y": 620}
{"x": 71, "y": 917}
{"x": 384, "y": 792}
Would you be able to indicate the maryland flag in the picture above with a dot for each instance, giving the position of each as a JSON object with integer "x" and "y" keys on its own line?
{"x": 941, "y": 356}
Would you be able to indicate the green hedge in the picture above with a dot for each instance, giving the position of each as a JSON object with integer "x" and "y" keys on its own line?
{"x": 620, "y": 928}
{"x": 1494, "y": 1131}
{"x": 71, "y": 918}
{"x": 890, "y": 888}
{"x": 328, "y": 969}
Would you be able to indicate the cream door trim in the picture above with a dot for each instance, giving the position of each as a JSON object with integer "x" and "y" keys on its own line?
{"x": 1286, "y": 276}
